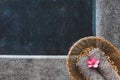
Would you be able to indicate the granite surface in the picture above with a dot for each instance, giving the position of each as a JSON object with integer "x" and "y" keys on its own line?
{"x": 108, "y": 20}
{"x": 47, "y": 68}
{"x": 33, "y": 69}
{"x": 43, "y": 27}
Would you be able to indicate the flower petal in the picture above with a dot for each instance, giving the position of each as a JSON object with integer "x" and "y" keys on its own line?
{"x": 93, "y": 62}
{"x": 95, "y": 66}
{"x": 89, "y": 62}
{"x": 93, "y": 59}
{"x": 90, "y": 66}
{"x": 97, "y": 62}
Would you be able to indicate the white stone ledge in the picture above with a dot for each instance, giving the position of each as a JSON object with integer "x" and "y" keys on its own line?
{"x": 34, "y": 56}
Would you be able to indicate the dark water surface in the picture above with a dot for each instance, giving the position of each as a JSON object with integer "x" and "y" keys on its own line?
{"x": 43, "y": 27}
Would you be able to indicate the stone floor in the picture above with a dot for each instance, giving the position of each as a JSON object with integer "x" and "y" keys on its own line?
{"x": 33, "y": 68}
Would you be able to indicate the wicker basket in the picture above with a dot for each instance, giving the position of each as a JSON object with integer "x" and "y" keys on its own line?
{"x": 85, "y": 45}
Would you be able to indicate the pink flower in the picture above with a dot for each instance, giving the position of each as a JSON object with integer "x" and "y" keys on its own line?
{"x": 93, "y": 62}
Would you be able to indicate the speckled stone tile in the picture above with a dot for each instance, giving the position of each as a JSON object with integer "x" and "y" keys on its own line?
{"x": 43, "y": 27}
{"x": 108, "y": 20}
{"x": 33, "y": 69}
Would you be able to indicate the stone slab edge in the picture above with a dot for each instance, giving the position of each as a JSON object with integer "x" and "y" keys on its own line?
{"x": 19, "y": 67}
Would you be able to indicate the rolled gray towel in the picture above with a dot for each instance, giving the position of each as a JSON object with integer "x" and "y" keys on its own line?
{"x": 104, "y": 71}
